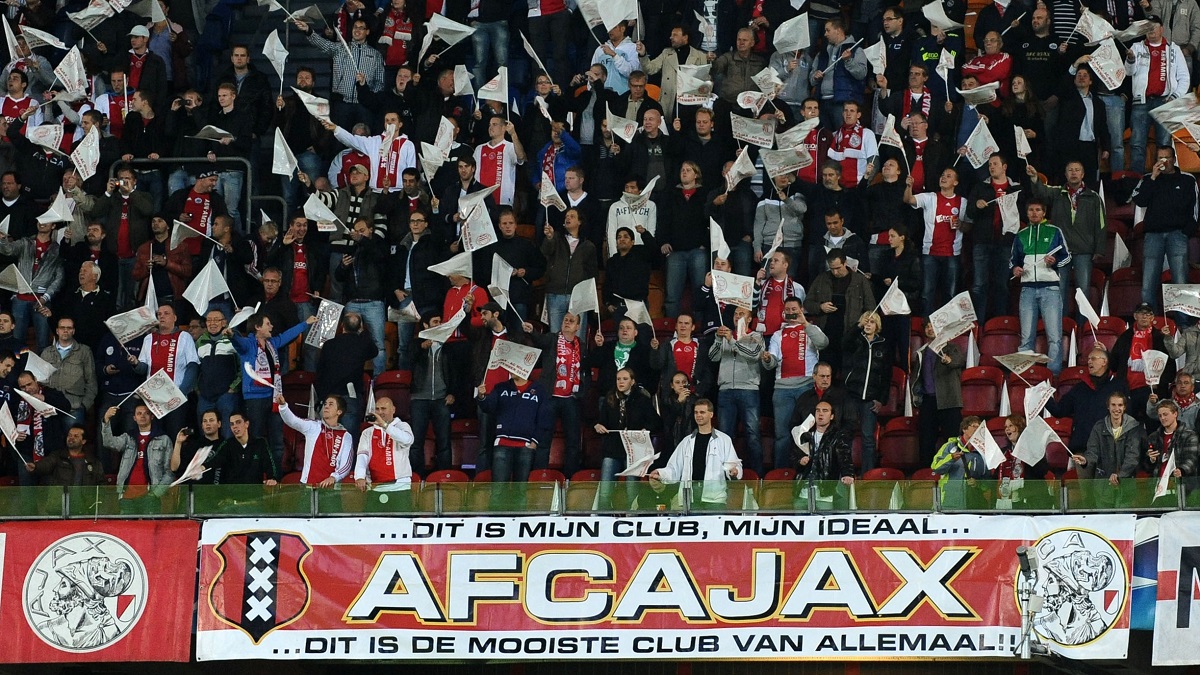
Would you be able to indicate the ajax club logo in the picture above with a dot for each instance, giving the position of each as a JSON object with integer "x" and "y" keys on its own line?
{"x": 1083, "y": 584}
{"x": 85, "y": 592}
{"x": 261, "y": 585}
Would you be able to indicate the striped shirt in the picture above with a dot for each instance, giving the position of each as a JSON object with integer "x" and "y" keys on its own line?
{"x": 367, "y": 60}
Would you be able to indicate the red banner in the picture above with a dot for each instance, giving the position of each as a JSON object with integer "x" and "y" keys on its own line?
{"x": 803, "y": 587}
{"x": 105, "y": 591}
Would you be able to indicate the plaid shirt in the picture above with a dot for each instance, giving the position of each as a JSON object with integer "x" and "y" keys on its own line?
{"x": 367, "y": 60}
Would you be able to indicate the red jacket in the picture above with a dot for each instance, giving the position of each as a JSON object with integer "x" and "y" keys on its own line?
{"x": 990, "y": 68}
{"x": 454, "y": 302}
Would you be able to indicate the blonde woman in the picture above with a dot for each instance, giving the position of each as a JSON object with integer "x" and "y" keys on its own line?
{"x": 867, "y": 358}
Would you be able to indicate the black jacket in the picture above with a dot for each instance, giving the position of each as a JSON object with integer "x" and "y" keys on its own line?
{"x": 249, "y": 465}
{"x": 57, "y": 468}
{"x": 41, "y": 171}
{"x": 639, "y": 416}
{"x": 153, "y": 79}
{"x": 681, "y": 221}
{"x": 256, "y": 96}
{"x": 1086, "y": 404}
{"x": 602, "y": 358}
{"x": 628, "y": 276}
{"x": 1118, "y": 361}
{"x": 831, "y": 459}
{"x": 904, "y": 269}
{"x": 78, "y": 253}
{"x": 89, "y": 312}
{"x": 1170, "y": 202}
{"x": 366, "y": 277}
{"x": 416, "y": 258}
{"x": 141, "y": 138}
{"x": 869, "y": 367}
{"x": 341, "y": 363}
{"x": 521, "y": 254}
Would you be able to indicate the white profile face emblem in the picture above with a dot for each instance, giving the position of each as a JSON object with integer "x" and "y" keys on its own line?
{"x": 1083, "y": 582}
{"x": 85, "y": 592}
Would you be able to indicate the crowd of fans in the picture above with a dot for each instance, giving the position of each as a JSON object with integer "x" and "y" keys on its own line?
{"x": 824, "y": 242}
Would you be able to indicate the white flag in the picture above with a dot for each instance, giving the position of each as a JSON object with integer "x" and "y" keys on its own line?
{"x": 316, "y": 106}
{"x": 244, "y": 314}
{"x": 462, "y": 81}
{"x": 283, "y": 161}
{"x": 621, "y": 127}
{"x": 936, "y": 15}
{"x": 501, "y": 278}
{"x": 753, "y": 131}
{"x": 1085, "y": 307}
{"x": 716, "y": 240}
{"x": 496, "y": 89}
{"x": 639, "y": 200}
{"x": 1155, "y": 362}
{"x": 315, "y": 210}
{"x": 691, "y": 90}
{"x": 890, "y": 136}
{"x": 477, "y": 230}
{"x": 533, "y": 55}
{"x": 1010, "y": 216}
{"x": 160, "y": 394}
{"x": 742, "y": 168}
{"x": 584, "y": 298}
{"x": 752, "y": 101}
{"x": 181, "y": 232}
{"x": 984, "y": 93}
{"x": 1108, "y": 64}
{"x": 11, "y": 279}
{"x": 459, "y": 264}
{"x": 639, "y": 452}
{"x": 195, "y": 467}
{"x": 71, "y": 71}
{"x": 789, "y": 160}
{"x": 35, "y": 38}
{"x": 799, "y": 431}
{"x": 980, "y": 145}
{"x": 444, "y": 140}
{"x": 877, "y": 56}
{"x": 132, "y": 324}
{"x": 777, "y": 241}
{"x": 1121, "y": 256}
{"x": 469, "y": 201}
{"x": 39, "y": 406}
{"x": 1036, "y": 398}
{"x": 983, "y": 443}
{"x": 1093, "y": 27}
{"x": 613, "y": 12}
{"x": 792, "y": 35}
{"x": 450, "y": 32}
{"x": 952, "y": 319}
{"x": 735, "y": 289}
{"x": 1176, "y": 298}
{"x": 86, "y": 155}
{"x": 768, "y": 82}
{"x": 209, "y": 284}
{"x": 60, "y": 210}
{"x": 944, "y": 65}
{"x": 1023, "y": 148}
{"x": 1031, "y": 446}
{"x": 513, "y": 357}
{"x": 894, "y": 301}
{"x": 1164, "y": 480}
{"x": 39, "y": 368}
{"x": 48, "y": 136}
{"x": 276, "y": 53}
{"x": 13, "y": 55}
{"x": 635, "y": 310}
{"x": 151, "y": 302}
{"x": 432, "y": 158}
{"x": 548, "y": 195}
{"x": 443, "y": 331}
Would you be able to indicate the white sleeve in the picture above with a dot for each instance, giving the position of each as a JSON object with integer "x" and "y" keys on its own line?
{"x": 400, "y": 432}
{"x": 408, "y": 156}
{"x": 301, "y": 425}
{"x": 367, "y": 145}
{"x": 672, "y": 471}
{"x": 144, "y": 355}
{"x": 363, "y": 456}
{"x": 345, "y": 460}
{"x": 925, "y": 200}
{"x": 187, "y": 353}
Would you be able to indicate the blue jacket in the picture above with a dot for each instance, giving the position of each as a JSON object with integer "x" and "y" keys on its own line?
{"x": 568, "y": 156}
{"x": 247, "y": 349}
{"x": 522, "y": 416}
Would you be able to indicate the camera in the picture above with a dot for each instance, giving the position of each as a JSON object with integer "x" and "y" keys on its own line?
{"x": 187, "y": 431}
{"x": 370, "y": 418}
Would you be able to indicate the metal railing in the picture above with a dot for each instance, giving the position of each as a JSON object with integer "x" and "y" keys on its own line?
{"x": 163, "y": 162}
{"x": 588, "y": 498}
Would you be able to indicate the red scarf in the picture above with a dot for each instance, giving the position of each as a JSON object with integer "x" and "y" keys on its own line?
{"x": 1185, "y": 401}
{"x": 566, "y": 367}
{"x": 849, "y": 137}
{"x": 397, "y": 32}
{"x": 389, "y": 163}
{"x": 925, "y": 102}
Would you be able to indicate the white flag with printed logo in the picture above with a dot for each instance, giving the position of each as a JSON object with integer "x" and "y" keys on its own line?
{"x": 716, "y": 240}
{"x": 984, "y": 93}
{"x": 980, "y": 145}
{"x": 635, "y": 310}
{"x": 792, "y": 35}
{"x": 459, "y": 264}
{"x": 1019, "y": 362}
{"x": 760, "y": 132}
{"x": 622, "y": 127}
{"x": 283, "y": 161}
{"x": 49, "y": 136}
{"x": 60, "y": 211}
{"x": 1036, "y": 398}
{"x": 315, "y": 210}
{"x": 894, "y": 301}
{"x": 514, "y": 357}
{"x": 209, "y": 284}
{"x": 495, "y": 89}
{"x": 445, "y": 329}
{"x": 584, "y": 298}
{"x": 983, "y": 443}
{"x": 315, "y": 105}
{"x": 469, "y": 201}
{"x": 1181, "y": 298}
{"x": 71, "y": 71}
{"x": 86, "y": 155}
{"x": 1108, "y": 64}
{"x": 691, "y": 90}
{"x": 777, "y": 241}
{"x": 1155, "y": 362}
{"x": 735, "y": 289}
{"x": 160, "y": 394}
{"x": 1010, "y": 216}
{"x": 952, "y": 319}
{"x": 276, "y": 53}
{"x": 35, "y": 38}
{"x": 890, "y": 136}
{"x": 477, "y": 230}
{"x": 11, "y": 279}
{"x": 133, "y": 324}
{"x": 1023, "y": 148}
{"x": 877, "y": 56}
{"x": 752, "y": 101}
{"x": 742, "y": 169}
{"x": 639, "y": 452}
{"x": 1091, "y": 26}
{"x": 432, "y": 159}
{"x": 768, "y": 82}
{"x": 785, "y": 161}
{"x": 502, "y": 273}
{"x": 13, "y": 54}
{"x": 548, "y": 195}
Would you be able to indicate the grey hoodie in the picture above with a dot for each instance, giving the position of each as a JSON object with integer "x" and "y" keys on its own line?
{"x": 741, "y": 361}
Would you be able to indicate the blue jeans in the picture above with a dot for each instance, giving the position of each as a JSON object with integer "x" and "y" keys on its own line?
{"x": 565, "y": 408}
{"x": 265, "y": 422}
{"x": 423, "y": 412}
{"x": 310, "y": 163}
{"x": 405, "y": 333}
{"x": 1157, "y": 244}
{"x": 1139, "y": 129}
{"x": 226, "y": 404}
{"x": 867, "y": 426}
{"x": 743, "y": 403}
{"x": 940, "y": 271}
{"x": 1046, "y": 301}
{"x": 308, "y": 353}
{"x": 741, "y": 258}
{"x": 126, "y": 286}
{"x": 25, "y": 311}
{"x": 491, "y": 36}
{"x": 179, "y": 179}
{"x": 374, "y": 318}
{"x": 352, "y": 416}
{"x": 558, "y": 304}
{"x": 609, "y": 468}
{"x": 1081, "y": 270}
{"x": 509, "y": 466}
{"x": 784, "y": 401}
{"x": 682, "y": 267}
{"x": 152, "y": 182}
{"x": 1114, "y": 107}
{"x": 991, "y": 279}
{"x": 229, "y": 184}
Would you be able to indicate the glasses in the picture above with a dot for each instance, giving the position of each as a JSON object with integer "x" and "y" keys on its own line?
{"x": 891, "y": 18}
{"x": 270, "y": 281}
{"x": 417, "y": 220}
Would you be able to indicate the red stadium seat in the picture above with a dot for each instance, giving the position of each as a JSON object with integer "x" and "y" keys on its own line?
{"x": 1068, "y": 378}
{"x": 884, "y": 473}
{"x": 780, "y": 474}
{"x": 1041, "y": 346}
{"x": 546, "y": 476}
{"x": 1057, "y": 454}
{"x": 586, "y": 476}
{"x": 448, "y": 476}
{"x": 898, "y": 446}
{"x": 1124, "y": 291}
{"x": 396, "y": 385}
{"x": 924, "y": 474}
{"x": 1107, "y": 332}
{"x": 995, "y": 427}
{"x": 894, "y": 406}
{"x": 484, "y": 476}
{"x": 981, "y": 391}
{"x": 749, "y": 474}
{"x": 1001, "y": 335}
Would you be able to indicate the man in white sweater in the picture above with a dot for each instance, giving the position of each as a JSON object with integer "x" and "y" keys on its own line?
{"x": 705, "y": 455}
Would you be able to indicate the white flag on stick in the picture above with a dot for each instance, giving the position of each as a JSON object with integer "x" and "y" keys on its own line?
{"x": 952, "y": 319}
{"x": 799, "y": 431}
{"x": 944, "y": 65}
{"x": 283, "y": 161}
{"x": 983, "y": 443}
{"x": 1020, "y": 362}
{"x": 742, "y": 168}
{"x": 41, "y": 407}
{"x": 1121, "y": 256}
{"x": 1010, "y": 216}
{"x": 877, "y": 56}
{"x": 935, "y": 13}
{"x": 623, "y": 127}
{"x": 691, "y": 90}
{"x": 432, "y": 158}
{"x": 60, "y": 210}
{"x": 716, "y": 240}
{"x": 584, "y": 298}
{"x": 640, "y": 200}
{"x": 86, "y": 155}
{"x": 980, "y": 145}
{"x": 753, "y": 131}
{"x": 1091, "y": 26}
{"x": 477, "y": 230}
{"x": 71, "y": 71}
{"x": 1031, "y": 446}
{"x": 1108, "y": 64}
{"x": 496, "y": 89}
{"x": 533, "y": 55}
{"x": 459, "y": 264}
{"x": 890, "y": 136}
{"x": 1023, "y": 149}
{"x": 132, "y": 324}
{"x": 1155, "y": 362}
{"x": 1164, "y": 481}
{"x": 639, "y": 452}
{"x": 35, "y": 38}
{"x": 13, "y": 53}
{"x": 9, "y": 428}
{"x": 38, "y": 367}
{"x": 1036, "y": 398}
{"x": 315, "y": 209}
{"x": 787, "y": 160}
{"x": 195, "y": 468}
{"x": 276, "y": 53}
{"x": 469, "y": 201}
{"x": 160, "y": 394}
{"x": 443, "y": 331}
{"x": 1176, "y": 298}
{"x": 462, "y": 82}
{"x": 513, "y": 357}
{"x": 635, "y": 310}
{"x": 501, "y": 278}
{"x": 244, "y": 314}
{"x": 894, "y": 302}
{"x": 11, "y": 279}
{"x": 984, "y": 93}
{"x": 792, "y": 35}
{"x": 209, "y": 284}
{"x": 1086, "y": 309}
{"x": 316, "y": 106}
{"x": 181, "y": 232}
{"x": 548, "y": 195}
{"x": 450, "y": 32}
{"x": 777, "y": 241}
{"x": 613, "y": 12}
{"x": 49, "y": 136}
{"x": 735, "y": 289}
